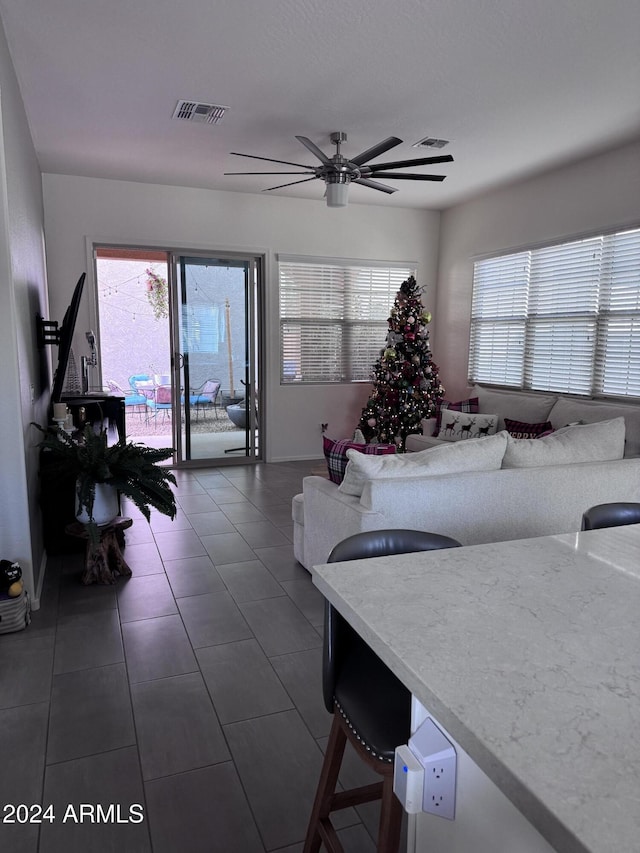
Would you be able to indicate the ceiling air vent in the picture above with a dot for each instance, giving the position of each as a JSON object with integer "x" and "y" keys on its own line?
{"x": 196, "y": 111}
{"x": 430, "y": 142}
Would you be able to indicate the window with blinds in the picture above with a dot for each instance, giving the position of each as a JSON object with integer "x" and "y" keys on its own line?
{"x": 333, "y": 316}
{"x": 563, "y": 318}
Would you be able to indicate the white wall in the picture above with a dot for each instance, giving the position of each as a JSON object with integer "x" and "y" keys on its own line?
{"x": 22, "y": 295}
{"x": 599, "y": 193}
{"x": 149, "y": 214}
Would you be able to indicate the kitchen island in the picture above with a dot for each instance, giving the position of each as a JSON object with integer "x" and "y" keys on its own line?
{"x": 527, "y": 653}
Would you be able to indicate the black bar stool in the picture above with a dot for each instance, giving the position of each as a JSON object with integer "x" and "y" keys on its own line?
{"x": 371, "y": 708}
{"x": 611, "y": 515}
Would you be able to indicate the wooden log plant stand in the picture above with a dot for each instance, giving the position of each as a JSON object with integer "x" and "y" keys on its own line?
{"x": 104, "y": 562}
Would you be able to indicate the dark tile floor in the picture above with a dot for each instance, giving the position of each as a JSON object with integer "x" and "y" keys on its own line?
{"x": 192, "y": 689}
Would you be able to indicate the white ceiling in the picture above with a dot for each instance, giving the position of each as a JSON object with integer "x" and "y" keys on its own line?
{"x": 518, "y": 87}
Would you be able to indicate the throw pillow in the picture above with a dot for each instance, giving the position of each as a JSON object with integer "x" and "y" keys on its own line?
{"x": 474, "y": 455}
{"x": 521, "y": 429}
{"x": 336, "y": 454}
{"x": 470, "y": 405}
{"x": 458, "y": 425}
{"x": 598, "y": 442}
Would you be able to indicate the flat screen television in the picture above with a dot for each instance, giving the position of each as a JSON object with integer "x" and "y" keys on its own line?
{"x": 65, "y": 336}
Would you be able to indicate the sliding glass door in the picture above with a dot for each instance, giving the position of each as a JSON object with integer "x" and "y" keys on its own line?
{"x": 215, "y": 386}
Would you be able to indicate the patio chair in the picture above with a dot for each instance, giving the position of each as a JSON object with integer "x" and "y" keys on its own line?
{"x": 142, "y": 383}
{"x": 205, "y": 396}
{"x": 160, "y": 402}
{"x": 133, "y": 401}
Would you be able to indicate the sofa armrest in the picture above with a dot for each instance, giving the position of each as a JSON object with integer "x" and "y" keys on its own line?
{"x": 329, "y": 517}
{"x": 422, "y": 441}
{"x": 428, "y": 426}
{"x": 416, "y": 442}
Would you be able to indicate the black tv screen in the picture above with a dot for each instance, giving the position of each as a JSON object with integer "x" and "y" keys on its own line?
{"x": 65, "y": 337}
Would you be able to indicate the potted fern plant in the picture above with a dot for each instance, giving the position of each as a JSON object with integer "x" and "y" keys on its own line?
{"x": 123, "y": 467}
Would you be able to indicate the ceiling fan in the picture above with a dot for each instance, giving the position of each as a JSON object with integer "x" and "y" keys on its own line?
{"x": 338, "y": 172}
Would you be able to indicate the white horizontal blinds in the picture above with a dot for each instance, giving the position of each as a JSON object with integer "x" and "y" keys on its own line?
{"x": 311, "y": 312}
{"x": 311, "y": 352}
{"x": 559, "y": 355}
{"x": 563, "y": 307}
{"x": 333, "y": 317}
{"x": 617, "y": 365}
{"x": 581, "y": 317}
{"x": 369, "y": 294}
{"x": 497, "y": 353}
{"x": 498, "y": 320}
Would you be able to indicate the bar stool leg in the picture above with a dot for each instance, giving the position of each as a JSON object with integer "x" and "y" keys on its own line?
{"x": 326, "y": 786}
{"x": 390, "y": 818}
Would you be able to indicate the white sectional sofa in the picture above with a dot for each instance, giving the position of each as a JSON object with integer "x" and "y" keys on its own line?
{"x": 535, "y": 408}
{"x": 480, "y": 506}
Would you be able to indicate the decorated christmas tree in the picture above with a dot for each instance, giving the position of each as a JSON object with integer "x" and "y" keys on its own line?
{"x": 406, "y": 387}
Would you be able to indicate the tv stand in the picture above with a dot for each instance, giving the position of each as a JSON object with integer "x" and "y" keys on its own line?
{"x": 105, "y": 407}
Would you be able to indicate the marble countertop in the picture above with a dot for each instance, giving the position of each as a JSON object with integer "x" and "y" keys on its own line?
{"x": 528, "y": 653}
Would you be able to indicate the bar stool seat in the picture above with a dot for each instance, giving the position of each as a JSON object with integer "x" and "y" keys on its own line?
{"x": 371, "y": 708}
{"x": 611, "y": 515}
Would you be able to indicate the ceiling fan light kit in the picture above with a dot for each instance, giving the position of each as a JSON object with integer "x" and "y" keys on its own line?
{"x": 338, "y": 172}
{"x": 337, "y": 195}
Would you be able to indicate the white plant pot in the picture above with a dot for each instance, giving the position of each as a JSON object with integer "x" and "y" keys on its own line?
{"x": 105, "y": 506}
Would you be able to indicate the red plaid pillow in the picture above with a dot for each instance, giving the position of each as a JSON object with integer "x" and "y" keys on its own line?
{"x": 470, "y": 406}
{"x": 336, "y": 454}
{"x": 520, "y": 429}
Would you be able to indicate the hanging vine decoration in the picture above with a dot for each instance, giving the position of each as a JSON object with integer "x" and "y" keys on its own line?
{"x": 157, "y": 294}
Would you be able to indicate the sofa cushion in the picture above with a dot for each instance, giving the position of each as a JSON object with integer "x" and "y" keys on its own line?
{"x": 476, "y": 454}
{"x": 521, "y": 429}
{"x": 458, "y": 425}
{"x": 470, "y": 405}
{"x": 336, "y": 454}
{"x": 567, "y": 410}
{"x": 596, "y": 442}
{"x": 517, "y": 405}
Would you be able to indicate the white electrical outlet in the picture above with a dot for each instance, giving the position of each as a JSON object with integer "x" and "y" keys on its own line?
{"x": 437, "y": 756}
{"x": 439, "y": 793}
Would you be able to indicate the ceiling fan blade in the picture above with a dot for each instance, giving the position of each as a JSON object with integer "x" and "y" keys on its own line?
{"x": 423, "y": 161}
{"x": 408, "y": 176}
{"x": 279, "y": 187}
{"x": 374, "y": 185}
{"x": 269, "y": 173}
{"x": 378, "y": 149}
{"x": 314, "y": 149}
{"x": 270, "y": 159}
